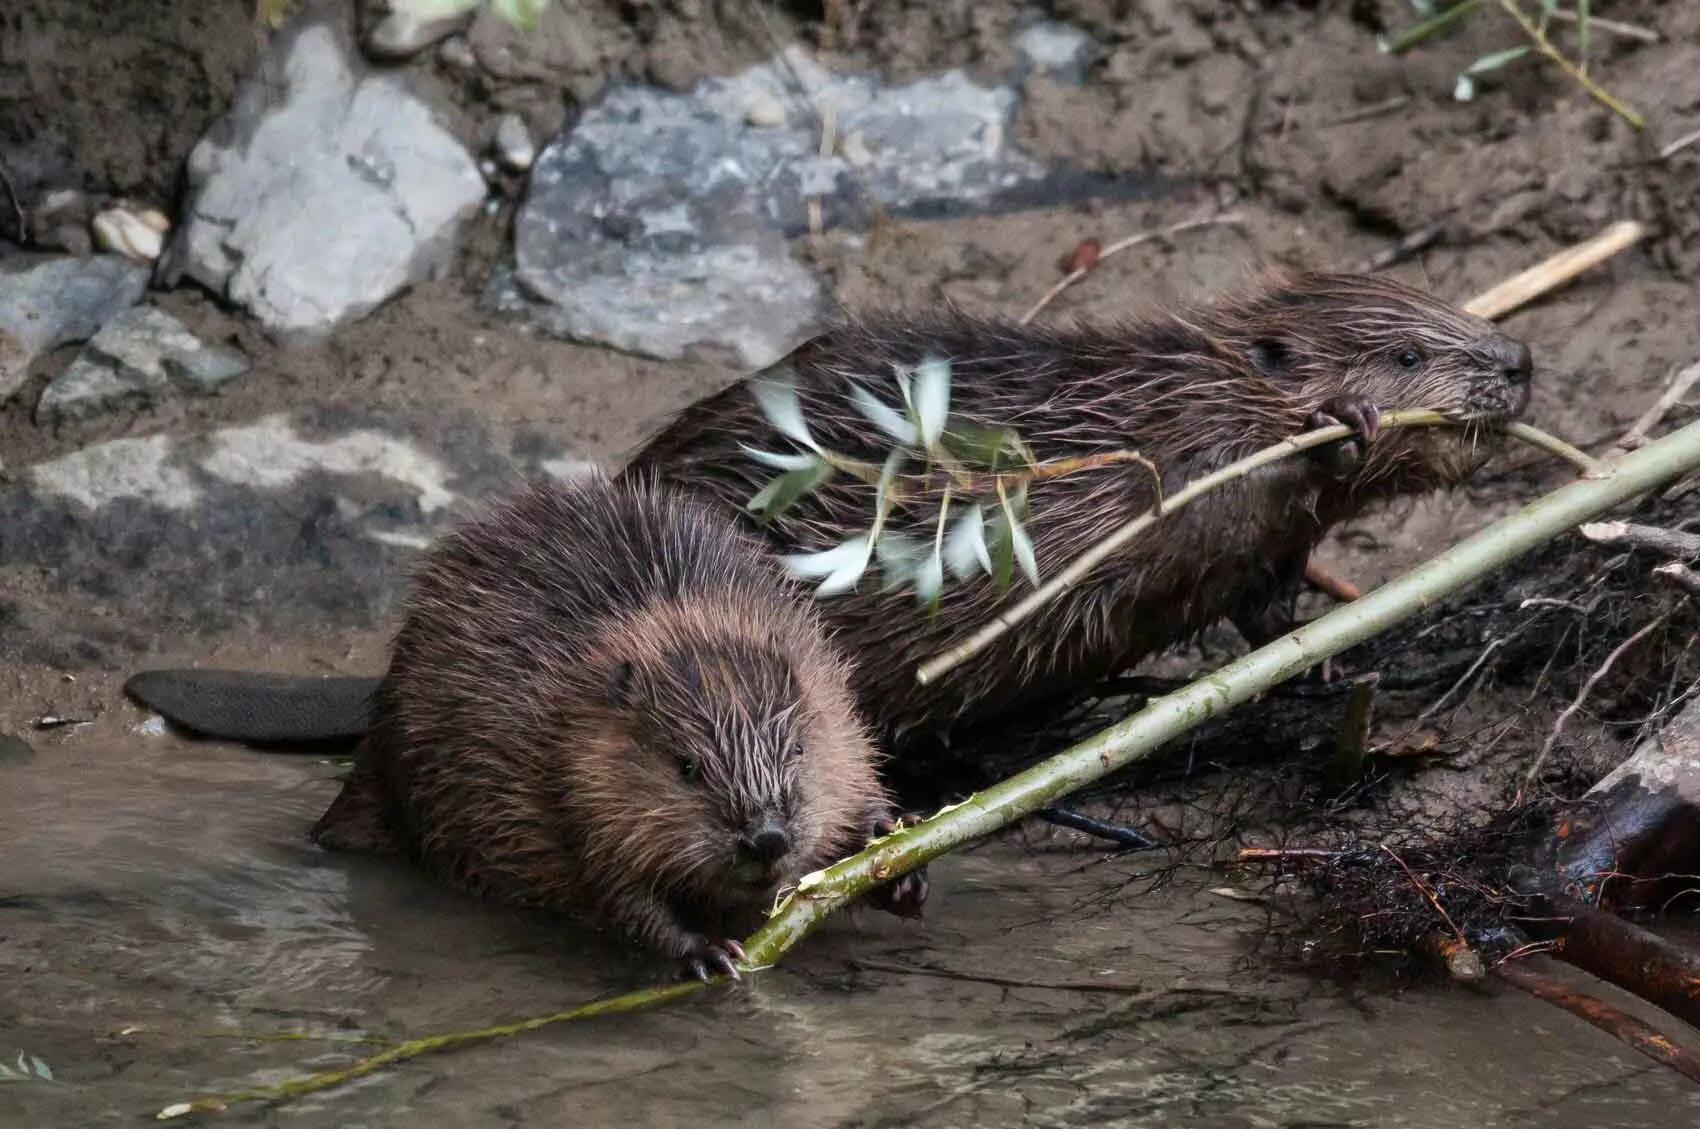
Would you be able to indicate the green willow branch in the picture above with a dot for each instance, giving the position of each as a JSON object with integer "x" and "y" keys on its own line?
{"x": 819, "y": 894}
{"x": 1077, "y": 569}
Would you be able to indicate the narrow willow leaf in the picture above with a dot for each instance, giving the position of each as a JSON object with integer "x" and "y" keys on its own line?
{"x": 7, "y": 1073}
{"x": 784, "y": 491}
{"x": 1014, "y": 511}
{"x": 932, "y": 399}
{"x": 778, "y": 400}
{"x": 965, "y": 548}
{"x": 798, "y": 461}
{"x": 900, "y": 556}
{"x": 1464, "y": 90}
{"x": 1583, "y": 20}
{"x": 1495, "y": 60}
{"x": 41, "y": 1070}
{"x": 842, "y": 565}
{"x": 1001, "y": 548}
{"x": 929, "y": 579}
{"x": 995, "y": 448}
{"x": 884, "y": 416}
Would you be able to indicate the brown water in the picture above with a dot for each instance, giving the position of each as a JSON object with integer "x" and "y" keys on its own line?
{"x": 166, "y": 888}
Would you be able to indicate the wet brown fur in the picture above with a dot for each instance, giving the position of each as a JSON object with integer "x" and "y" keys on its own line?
{"x": 560, "y": 659}
{"x": 1190, "y": 389}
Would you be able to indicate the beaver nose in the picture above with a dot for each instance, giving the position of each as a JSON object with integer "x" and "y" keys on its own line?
{"x": 765, "y": 841}
{"x": 1516, "y": 363}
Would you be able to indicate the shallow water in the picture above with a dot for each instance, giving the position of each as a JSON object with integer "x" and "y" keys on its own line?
{"x": 166, "y": 888}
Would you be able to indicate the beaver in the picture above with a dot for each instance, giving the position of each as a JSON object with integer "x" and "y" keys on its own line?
{"x": 605, "y": 699}
{"x": 1191, "y": 389}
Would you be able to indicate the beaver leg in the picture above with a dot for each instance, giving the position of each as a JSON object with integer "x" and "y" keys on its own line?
{"x": 1357, "y": 412}
{"x": 905, "y": 895}
{"x": 359, "y": 818}
{"x": 655, "y": 925}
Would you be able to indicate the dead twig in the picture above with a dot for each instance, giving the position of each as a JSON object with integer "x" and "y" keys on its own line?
{"x": 1423, "y": 887}
{"x": 1625, "y": 1027}
{"x": 1579, "y": 73}
{"x": 1125, "y": 837}
{"x": 1351, "y": 743}
{"x": 17, "y": 204}
{"x": 1679, "y": 145}
{"x": 1521, "y": 289}
{"x": 1403, "y": 249}
{"x": 1679, "y": 387}
{"x": 1670, "y": 542}
{"x": 1680, "y": 575}
{"x": 1373, "y": 110}
{"x": 1581, "y": 697}
{"x": 1121, "y": 245}
{"x": 1117, "y": 987}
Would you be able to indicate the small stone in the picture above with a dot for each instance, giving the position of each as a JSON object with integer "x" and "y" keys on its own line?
{"x": 763, "y": 110}
{"x": 129, "y": 234}
{"x": 514, "y": 147}
{"x": 139, "y": 356}
{"x": 53, "y": 302}
{"x": 405, "y": 32}
{"x": 1055, "y": 49}
{"x": 154, "y": 726}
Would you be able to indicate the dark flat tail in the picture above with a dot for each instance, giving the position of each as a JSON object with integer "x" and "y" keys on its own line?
{"x": 257, "y": 708}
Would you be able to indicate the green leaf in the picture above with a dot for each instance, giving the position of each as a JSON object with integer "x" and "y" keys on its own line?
{"x": 523, "y": 14}
{"x": 1431, "y": 26}
{"x": 1000, "y": 547}
{"x": 783, "y": 492}
{"x": 965, "y": 548}
{"x": 1582, "y": 27}
{"x": 995, "y": 448}
{"x": 778, "y": 460}
{"x": 1496, "y": 59}
{"x": 778, "y": 401}
{"x": 929, "y": 578}
{"x": 842, "y": 565}
{"x": 932, "y": 398}
{"x": 41, "y": 1070}
{"x": 1015, "y": 510}
{"x": 900, "y": 558}
{"x": 883, "y": 416}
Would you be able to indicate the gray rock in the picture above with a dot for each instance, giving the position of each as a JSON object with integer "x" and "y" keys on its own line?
{"x": 657, "y": 223}
{"x": 140, "y": 356}
{"x": 322, "y": 192}
{"x": 53, "y": 302}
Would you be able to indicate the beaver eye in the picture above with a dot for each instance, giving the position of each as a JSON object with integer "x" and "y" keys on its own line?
{"x": 1409, "y": 358}
{"x": 796, "y": 751}
{"x": 689, "y": 769}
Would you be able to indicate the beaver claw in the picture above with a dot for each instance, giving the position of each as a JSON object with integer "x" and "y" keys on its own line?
{"x": 1356, "y": 412}
{"x": 905, "y": 895}
{"x": 712, "y": 958}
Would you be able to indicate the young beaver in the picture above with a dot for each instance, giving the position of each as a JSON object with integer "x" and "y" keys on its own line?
{"x": 1191, "y": 391}
{"x": 605, "y": 699}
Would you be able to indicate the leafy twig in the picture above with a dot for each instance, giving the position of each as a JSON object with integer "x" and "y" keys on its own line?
{"x": 1544, "y": 45}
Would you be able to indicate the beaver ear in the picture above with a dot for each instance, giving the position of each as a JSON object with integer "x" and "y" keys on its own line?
{"x": 1272, "y": 357}
{"x": 620, "y": 684}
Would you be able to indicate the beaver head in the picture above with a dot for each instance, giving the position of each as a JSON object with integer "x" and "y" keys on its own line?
{"x": 723, "y": 761}
{"x": 1322, "y": 336}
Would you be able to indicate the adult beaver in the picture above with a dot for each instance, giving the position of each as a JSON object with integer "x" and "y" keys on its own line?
{"x": 603, "y": 698}
{"x": 1190, "y": 389}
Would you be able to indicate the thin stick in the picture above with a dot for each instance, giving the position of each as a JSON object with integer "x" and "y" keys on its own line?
{"x": 1679, "y": 145}
{"x": 820, "y": 894}
{"x": 1423, "y": 888}
{"x": 1282, "y": 854}
{"x": 1614, "y": 27}
{"x": 1337, "y": 586}
{"x": 1521, "y": 289}
{"x": 1121, "y": 245}
{"x": 1625, "y": 1027}
{"x": 1077, "y": 569}
{"x": 1670, "y": 542}
{"x": 1373, "y": 110}
{"x": 1553, "y": 445}
{"x": 1545, "y": 47}
{"x": 17, "y": 205}
{"x": 1679, "y": 387}
{"x": 1680, "y": 575}
{"x": 1582, "y": 696}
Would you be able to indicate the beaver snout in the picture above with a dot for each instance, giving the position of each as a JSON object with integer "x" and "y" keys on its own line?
{"x": 1516, "y": 364}
{"x": 1504, "y": 389}
{"x": 764, "y": 840}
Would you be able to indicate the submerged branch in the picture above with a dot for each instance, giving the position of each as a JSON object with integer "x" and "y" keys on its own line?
{"x": 1132, "y": 739}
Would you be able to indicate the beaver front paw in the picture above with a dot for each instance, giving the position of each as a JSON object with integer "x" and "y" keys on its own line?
{"x": 1354, "y": 411}
{"x": 712, "y": 958}
{"x": 904, "y": 896}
